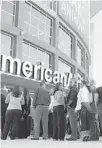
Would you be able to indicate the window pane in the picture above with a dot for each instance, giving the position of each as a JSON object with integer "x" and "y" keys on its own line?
{"x": 25, "y": 49}
{"x": 6, "y": 44}
{"x": 34, "y": 31}
{"x": 63, "y": 67}
{"x": 33, "y": 52}
{"x": 27, "y": 17}
{"x": 65, "y": 42}
{"x": 26, "y": 26}
{"x": 5, "y": 17}
{"x": 38, "y": 23}
{"x": 7, "y": 6}
{"x": 40, "y": 56}
{"x": 34, "y": 21}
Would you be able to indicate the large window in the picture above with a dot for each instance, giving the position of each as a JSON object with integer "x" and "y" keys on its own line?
{"x": 8, "y": 10}
{"x": 63, "y": 67}
{"x": 65, "y": 42}
{"x": 34, "y": 55}
{"x": 87, "y": 64}
{"x": 52, "y": 4}
{"x": 80, "y": 56}
{"x": 6, "y": 44}
{"x": 37, "y": 23}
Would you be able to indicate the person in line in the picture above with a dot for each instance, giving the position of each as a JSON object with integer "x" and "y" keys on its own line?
{"x": 50, "y": 118}
{"x": 3, "y": 93}
{"x": 41, "y": 103}
{"x": 93, "y": 114}
{"x": 25, "y": 124}
{"x": 58, "y": 113}
{"x": 99, "y": 92}
{"x": 13, "y": 114}
{"x": 71, "y": 104}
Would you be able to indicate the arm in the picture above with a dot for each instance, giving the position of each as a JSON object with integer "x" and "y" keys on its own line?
{"x": 35, "y": 98}
{"x": 8, "y": 98}
{"x": 78, "y": 106}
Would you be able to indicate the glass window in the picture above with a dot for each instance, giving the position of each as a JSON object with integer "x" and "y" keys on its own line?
{"x": 64, "y": 67}
{"x": 6, "y": 44}
{"x": 40, "y": 24}
{"x": 34, "y": 55}
{"x": 8, "y": 12}
{"x": 87, "y": 64}
{"x": 48, "y": 3}
{"x": 80, "y": 56}
{"x": 65, "y": 42}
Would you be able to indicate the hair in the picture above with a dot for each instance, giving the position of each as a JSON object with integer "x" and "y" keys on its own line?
{"x": 85, "y": 83}
{"x": 74, "y": 79}
{"x": 16, "y": 91}
{"x": 25, "y": 91}
{"x": 42, "y": 83}
{"x": 57, "y": 87}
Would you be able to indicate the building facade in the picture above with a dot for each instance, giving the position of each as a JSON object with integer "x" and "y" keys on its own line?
{"x": 49, "y": 33}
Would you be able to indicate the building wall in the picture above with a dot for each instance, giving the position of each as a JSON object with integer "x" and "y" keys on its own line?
{"x": 74, "y": 62}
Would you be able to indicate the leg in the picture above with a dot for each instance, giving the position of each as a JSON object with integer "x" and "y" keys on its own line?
{"x": 38, "y": 115}
{"x": 73, "y": 123}
{"x": 8, "y": 121}
{"x": 16, "y": 123}
{"x": 61, "y": 125}
{"x": 45, "y": 121}
{"x": 55, "y": 123}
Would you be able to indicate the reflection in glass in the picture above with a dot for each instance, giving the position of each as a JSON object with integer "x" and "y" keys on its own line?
{"x": 40, "y": 24}
{"x": 65, "y": 42}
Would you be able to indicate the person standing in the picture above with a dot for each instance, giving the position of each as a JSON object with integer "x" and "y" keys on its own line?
{"x": 13, "y": 114}
{"x": 71, "y": 104}
{"x": 50, "y": 117}
{"x": 58, "y": 113}
{"x": 41, "y": 103}
{"x": 25, "y": 125}
{"x": 99, "y": 92}
{"x": 93, "y": 114}
{"x": 3, "y": 94}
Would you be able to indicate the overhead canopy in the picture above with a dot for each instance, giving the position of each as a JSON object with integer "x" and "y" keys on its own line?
{"x": 12, "y": 80}
{"x": 95, "y": 7}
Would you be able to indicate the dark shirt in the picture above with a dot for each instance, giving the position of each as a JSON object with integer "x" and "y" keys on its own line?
{"x": 3, "y": 105}
{"x": 99, "y": 91}
{"x": 73, "y": 96}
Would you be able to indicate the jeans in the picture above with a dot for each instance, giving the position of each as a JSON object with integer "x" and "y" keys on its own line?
{"x": 73, "y": 122}
{"x": 41, "y": 114}
{"x": 100, "y": 116}
{"x": 50, "y": 125}
{"x": 12, "y": 117}
{"x": 85, "y": 125}
{"x": 58, "y": 122}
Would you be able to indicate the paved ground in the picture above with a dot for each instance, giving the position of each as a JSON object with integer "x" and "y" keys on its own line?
{"x": 27, "y": 143}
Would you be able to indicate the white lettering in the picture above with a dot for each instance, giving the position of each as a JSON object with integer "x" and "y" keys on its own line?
{"x": 48, "y": 75}
{"x": 8, "y": 65}
{"x": 27, "y": 69}
{"x": 56, "y": 77}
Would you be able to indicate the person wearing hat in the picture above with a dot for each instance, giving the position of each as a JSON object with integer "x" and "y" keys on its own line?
{"x": 41, "y": 103}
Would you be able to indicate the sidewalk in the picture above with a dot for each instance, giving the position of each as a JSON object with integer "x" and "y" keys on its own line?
{"x": 27, "y": 143}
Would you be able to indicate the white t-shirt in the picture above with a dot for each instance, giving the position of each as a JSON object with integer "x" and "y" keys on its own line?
{"x": 14, "y": 102}
{"x": 83, "y": 96}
